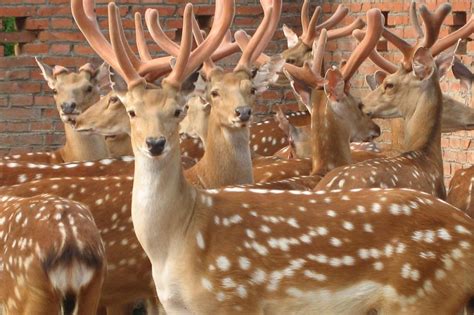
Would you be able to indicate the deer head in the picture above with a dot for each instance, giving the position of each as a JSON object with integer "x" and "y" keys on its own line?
{"x": 196, "y": 121}
{"x": 299, "y": 48}
{"x": 405, "y": 84}
{"x": 74, "y": 92}
{"x": 107, "y": 117}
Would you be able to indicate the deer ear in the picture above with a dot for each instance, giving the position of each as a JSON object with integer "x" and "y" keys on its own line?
{"x": 47, "y": 72}
{"x": 335, "y": 85}
{"x": 102, "y": 74}
{"x": 267, "y": 74}
{"x": 379, "y": 77}
{"x": 206, "y": 106}
{"x": 423, "y": 63}
{"x": 462, "y": 73}
{"x": 291, "y": 37}
{"x": 118, "y": 84}
{"x": 370, "y": 80}
{"x": 282, "y": 121}
{"x": 301, "y": 91}
{"x": 445, "y": 60}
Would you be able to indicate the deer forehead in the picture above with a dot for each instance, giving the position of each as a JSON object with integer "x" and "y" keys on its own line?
{"x": 72, "y": 81}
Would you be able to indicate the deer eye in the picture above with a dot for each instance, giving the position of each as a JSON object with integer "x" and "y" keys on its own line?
{"x": 89, "y": 89}
{"x": 214, "y": 93}
{"x": 55, "y": 91}
{"x": 113, "y": 99}
{"x": 388, "y": 86}
{"x": 177, "y": 112}
{"x": 291, "y": 61}
{"x": 132, "y": 113}
{"x": 253, "y": 91}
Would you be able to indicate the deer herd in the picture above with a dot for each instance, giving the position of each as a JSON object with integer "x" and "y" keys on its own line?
{"x": 218, "y": 213}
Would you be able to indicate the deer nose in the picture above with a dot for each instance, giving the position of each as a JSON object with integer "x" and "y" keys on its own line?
{"x": 155, "y": 145}
{"x": 243, "y": 112}
{"x": 376, "y": 131}
{"x": 68, "y": 108}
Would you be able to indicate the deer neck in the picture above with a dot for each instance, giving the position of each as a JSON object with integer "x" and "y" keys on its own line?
{"x": 119, "y": 145}
{"x": 423, "y": 122}
{"x": 227, "y": 159}
{"x": 83, "y": 147}
{"x": 331, "y": 147}
{"x": 162, "y": 203}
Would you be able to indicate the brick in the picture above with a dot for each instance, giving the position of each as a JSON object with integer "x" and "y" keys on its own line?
{"x": 61, "y": 23}
{"x": 21, "y": 100}
{"x": 19, "y": 87}
{"x": 62, "y": 49}
{"x": 17, "y": 11}
{"x": 36, "y": 24}
{"x": 17, "y": 37}
{"x": 34, "y": 49}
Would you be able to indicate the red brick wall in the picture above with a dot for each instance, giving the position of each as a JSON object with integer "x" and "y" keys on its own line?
{"x": 28, "y": 119}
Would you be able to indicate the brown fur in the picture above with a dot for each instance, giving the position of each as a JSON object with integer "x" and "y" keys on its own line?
{"x": 82, "y": 88}
{"x": 44, "y": 236}
{"x": 420, "y": 102}
{"x": 461, "y": 188}
{"x": 17, "y": 172}
{"x": 182, "y": 231}
{"x": 109, "y": 199}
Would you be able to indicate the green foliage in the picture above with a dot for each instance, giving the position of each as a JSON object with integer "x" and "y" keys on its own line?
{"x": 9, "y": 25}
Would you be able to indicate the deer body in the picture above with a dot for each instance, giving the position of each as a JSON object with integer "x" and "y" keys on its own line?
{"x": 227, "y": 141}
{"x": 460, "y": 192}
{"x": 19, "y": 172}
{"x": 270, "y": 263}
{"x": 421, "y": 166}
{"x": 52, "y": 256}
{"x": 109, "y": 200}
{"x": 248, "y": 277}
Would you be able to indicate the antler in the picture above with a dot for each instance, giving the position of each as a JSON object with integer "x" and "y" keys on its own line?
{"x": 375, "y": 23}
{"x": 263, "y": 34}
{"x": 452, "y": 38}
{"x": 140, "y": 38}
{"x": 242, "y": 39}
{"x": 208, "y": 64}
{"x": 432, "y": 25}
{"x": 346, "y": 30}
{"x": 374, "y": 55}
{"x": 86, "y": 19}
{"x": 311, "y": 75}
{"x": 311, "y": 30}
{"x": 222, "y": 20}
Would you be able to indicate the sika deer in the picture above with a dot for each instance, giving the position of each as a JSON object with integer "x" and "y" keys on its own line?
{"x": 414, "y": 92}
{"x": 231, "y": 96}
{"x": 52, "y": 258}
{"x": 73, "y": 93}
{"x": 280, "y": 262}
{"x": 342, "y": 118}
{"x": 13, "y": 172}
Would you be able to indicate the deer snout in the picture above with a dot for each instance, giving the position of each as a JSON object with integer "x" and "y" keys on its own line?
{"x": 155, "y": 145}
{"x": 375, "y": 132}
{"x": 243, "y": 112}
{"x": 68, "y": 107}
